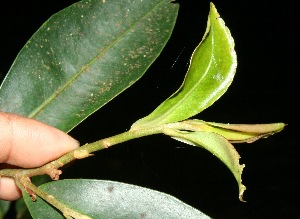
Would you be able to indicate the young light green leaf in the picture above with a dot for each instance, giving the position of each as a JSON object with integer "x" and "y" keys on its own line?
{"x": 237, "y": 133}
{"x": 211, "y": 71}
{"x": 84, "y": 56}
{"x": 110, "y": 200}
{"x": 218, "y": 146}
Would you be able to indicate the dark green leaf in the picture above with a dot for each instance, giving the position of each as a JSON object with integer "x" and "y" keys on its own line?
{"x": 4, "y": 206}
{"x": 22, "y": 210}
{"x": 108, "y": 200}
{"x": 84, "y": 56}
{"x": 218, "y": 146}
{"x": 211, "y": 71}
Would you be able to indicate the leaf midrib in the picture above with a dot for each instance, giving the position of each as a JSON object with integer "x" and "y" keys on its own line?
{"x": 60, "y": 90}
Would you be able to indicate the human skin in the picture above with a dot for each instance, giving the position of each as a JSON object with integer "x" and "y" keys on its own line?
{"x": 28, "y": 143}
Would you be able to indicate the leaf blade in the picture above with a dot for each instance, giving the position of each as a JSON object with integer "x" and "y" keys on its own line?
{"x": 84, "y": 56}
{"x": 108, "y": 199}
{"x": 211, "y": 71}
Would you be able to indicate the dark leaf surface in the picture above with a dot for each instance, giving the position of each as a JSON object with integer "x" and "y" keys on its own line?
{"x": 4, "y": 206}
{"x": 84, "y": 56}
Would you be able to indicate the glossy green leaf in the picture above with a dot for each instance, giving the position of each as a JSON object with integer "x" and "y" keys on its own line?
{"x": 210, "y": 73}
{"x": 84, "y": 56}
{"x": 237, "y": 133}
{"x": 4, "y": 206}
{"x": 110, "y": 200}
{"x": 218, "y": 146}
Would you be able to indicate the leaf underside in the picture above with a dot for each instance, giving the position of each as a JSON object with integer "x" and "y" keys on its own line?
{"x": 107, "y": 199}
{"x": 218, "y": 146}
{"x": 84, "y": 56}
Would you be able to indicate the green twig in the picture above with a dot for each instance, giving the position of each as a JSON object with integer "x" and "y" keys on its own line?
{"x": 22, "y": 176}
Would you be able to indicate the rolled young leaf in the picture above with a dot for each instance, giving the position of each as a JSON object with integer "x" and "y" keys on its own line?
{"x": 211, "y": 71}
{"x": 84, "y": 56}
{"x": 107, "y": 199}
{"x": 237, "y": 133}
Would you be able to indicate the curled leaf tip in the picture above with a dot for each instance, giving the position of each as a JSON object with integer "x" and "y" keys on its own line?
{"x": 241, "y": 193}
{"x": 242, "y": 187}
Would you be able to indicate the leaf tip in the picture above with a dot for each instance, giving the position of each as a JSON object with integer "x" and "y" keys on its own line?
{"x": 213, "y": 10}
{"x": 242, "y": 187}
{"x": 280, "y": 126}
{"x": 241, "y": 193}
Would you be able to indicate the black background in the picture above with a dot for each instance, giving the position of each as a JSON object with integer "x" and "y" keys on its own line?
{"x": 264, "y": 90}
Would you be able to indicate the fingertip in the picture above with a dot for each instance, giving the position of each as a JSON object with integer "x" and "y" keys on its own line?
{"x": 75, "y": 144}
{"x": 52, "y": 145}
{"x": 8, "y": 190}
